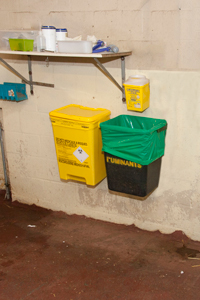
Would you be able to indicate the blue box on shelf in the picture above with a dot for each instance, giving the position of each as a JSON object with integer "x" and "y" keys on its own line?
{"x": 13, "y": 91}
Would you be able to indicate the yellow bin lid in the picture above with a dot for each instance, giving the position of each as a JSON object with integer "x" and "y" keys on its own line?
{"x": 80, "y": 113}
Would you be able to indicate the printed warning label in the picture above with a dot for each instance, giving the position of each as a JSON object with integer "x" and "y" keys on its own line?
{"x": 133, "y": 94}
{"x": 72, "y": 162}
{"x": 80, "y": 154}
{"x": 69, "y": 143}
{"x": 68, "y": 151}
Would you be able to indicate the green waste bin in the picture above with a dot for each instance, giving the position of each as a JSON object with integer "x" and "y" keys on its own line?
{"x": 133, "y": 148}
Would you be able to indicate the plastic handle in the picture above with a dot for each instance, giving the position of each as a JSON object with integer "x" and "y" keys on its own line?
{"x": 101, "y": 50}
{"x": 98, "y": 45}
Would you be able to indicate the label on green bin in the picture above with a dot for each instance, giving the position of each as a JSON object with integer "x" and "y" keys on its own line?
{"x": 123, "y": 162}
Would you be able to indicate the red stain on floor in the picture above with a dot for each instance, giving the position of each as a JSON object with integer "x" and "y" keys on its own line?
{"x": 51, "y": 255}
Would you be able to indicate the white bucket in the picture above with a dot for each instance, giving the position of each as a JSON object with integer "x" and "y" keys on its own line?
{"x": 61, "y": 34}
{"x": 49, "y": 33}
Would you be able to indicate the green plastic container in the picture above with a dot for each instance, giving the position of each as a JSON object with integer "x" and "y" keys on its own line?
{"x": 21, "y": 44}
{"x": 138, "y": 139}
{"x": 133, "y": 147}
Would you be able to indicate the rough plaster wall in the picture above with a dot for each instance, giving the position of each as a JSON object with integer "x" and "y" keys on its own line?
{"x": 164, "y": 38}
{"x": 163, "y": 34}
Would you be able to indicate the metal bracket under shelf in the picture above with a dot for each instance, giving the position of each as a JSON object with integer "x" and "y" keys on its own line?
{"x": 30, "y": 82}
{"x": 112, "y": 78}
{"x": 98, "y": 64}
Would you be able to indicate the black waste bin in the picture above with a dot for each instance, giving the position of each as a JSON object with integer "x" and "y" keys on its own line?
{"x": 133, "y": 148}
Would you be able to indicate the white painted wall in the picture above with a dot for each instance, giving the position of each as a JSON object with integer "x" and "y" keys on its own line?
{"x": 165, "y": 39}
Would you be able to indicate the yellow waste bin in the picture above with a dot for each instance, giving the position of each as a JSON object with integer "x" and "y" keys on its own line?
{"x": 137, "y": 92}
{"x": 78, "y": 142}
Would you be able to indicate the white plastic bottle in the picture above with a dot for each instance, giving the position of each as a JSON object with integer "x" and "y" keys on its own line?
{"x": 41, "y": 42}
{"x": 49, "y": 33}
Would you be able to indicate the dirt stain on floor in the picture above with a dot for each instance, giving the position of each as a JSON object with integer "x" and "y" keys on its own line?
{"x": 187, "y": 252}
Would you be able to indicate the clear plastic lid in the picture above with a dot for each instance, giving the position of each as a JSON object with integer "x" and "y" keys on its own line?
{"x": 138, "y": 80}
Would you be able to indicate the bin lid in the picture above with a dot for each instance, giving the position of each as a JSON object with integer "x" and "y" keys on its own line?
{"x": 80, "y": 113}
{"x": 137, "y": 80}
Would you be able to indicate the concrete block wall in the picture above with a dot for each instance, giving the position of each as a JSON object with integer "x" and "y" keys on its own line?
{"x": 165, "y": 40}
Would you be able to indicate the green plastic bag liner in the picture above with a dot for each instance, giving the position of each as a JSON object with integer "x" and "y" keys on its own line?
{"x": 138, "y": 139}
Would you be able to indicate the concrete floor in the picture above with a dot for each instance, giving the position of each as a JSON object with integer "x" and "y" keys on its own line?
{"x": 48, "y": 255}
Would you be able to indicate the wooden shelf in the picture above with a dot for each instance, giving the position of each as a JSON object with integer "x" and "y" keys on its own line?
{"x": 56, "y": 54}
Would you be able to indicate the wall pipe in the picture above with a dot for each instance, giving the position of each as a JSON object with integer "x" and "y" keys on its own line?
{"x": 7, "y": 184}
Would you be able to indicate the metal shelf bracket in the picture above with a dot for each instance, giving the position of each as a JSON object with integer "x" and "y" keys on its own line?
{"x": 95, "y": 56}
{"x": 30, "y": 82}
{"x": 105, "y": 71}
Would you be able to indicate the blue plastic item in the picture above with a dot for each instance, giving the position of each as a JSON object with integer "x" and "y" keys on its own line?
{"x": 101, "y": 50}
{"x": 98, "y": 48}
{"x": 98, "y": 45}
{"x": 13, "y": 91}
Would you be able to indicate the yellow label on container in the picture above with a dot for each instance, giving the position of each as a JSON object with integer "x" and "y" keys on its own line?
{"x": 118, "y": 161}
{"x": 134, "y": 93}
